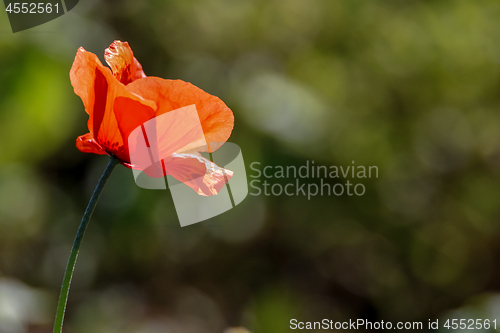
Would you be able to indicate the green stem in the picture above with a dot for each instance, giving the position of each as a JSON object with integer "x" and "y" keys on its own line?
{"x": 68, "y": 275}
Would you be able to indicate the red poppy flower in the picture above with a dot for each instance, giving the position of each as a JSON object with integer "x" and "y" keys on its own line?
{"x": 123, "y": 99}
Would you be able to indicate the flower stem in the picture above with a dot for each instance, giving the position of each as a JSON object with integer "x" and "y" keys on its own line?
{"x": 68, "y": 275}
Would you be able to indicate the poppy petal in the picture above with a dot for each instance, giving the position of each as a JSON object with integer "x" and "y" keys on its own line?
{"x": 125, "y": 66}
{"x": 98, "y": 89}
{"x": 159, "y": 138}
{"x": 130, "y": 114}
{"x": 216, "y": 118}
{"x": 203, "y": 176}
{"x": 86, "y": 144}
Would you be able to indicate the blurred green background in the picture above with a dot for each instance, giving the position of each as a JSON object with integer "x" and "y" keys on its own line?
{"x": 412, "y": 87}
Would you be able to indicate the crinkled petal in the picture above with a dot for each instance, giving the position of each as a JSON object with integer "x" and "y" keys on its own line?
{"x": 203, "y": 176}
{"x": 125, "y": 66}
{"x": 216, "y": 118}
{"x": 86, "y": 143}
